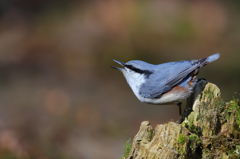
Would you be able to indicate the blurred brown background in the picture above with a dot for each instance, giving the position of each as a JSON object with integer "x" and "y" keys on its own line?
{"x": 59, "y": 98}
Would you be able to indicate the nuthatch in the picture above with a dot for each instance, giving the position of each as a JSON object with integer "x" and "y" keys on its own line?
{"x": 165, "y": 83}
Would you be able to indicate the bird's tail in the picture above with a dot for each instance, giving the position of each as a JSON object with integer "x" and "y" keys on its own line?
{"x": 212, "y": 58}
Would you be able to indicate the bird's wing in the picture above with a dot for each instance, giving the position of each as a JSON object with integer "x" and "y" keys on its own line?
{"x": 170, "y": 75}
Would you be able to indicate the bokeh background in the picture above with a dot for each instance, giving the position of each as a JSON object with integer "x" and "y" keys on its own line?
{"x": 59, "y": 98}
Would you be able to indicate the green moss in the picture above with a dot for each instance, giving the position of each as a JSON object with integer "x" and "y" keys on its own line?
{"x": 234, "y": 152}
{"x": 234, "y": 109}
{"x": 193, "y": 137}
{"x": 237, "y": 150}
{"x": 127, "y": 149}
{"x": 195, "y": 142}
{"x": 187, "y": 145}
{"x": 221, "y": 104}
{"x": 213, "y": 99}
{"x": 194, "y": 129}
{"x": 209, "y": 93}
{"x": 181, "y": 139}
{"x": 181, "y": 145}
{"x": 221, "y": 146}
{"x": 231, "y": 117}
{"x": 215, "y": 128}
{"x": 190, "y": 125}
{"x": 232, "y": 105}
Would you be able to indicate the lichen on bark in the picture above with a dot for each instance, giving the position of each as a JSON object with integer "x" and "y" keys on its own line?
{"x": 210, "y": 131}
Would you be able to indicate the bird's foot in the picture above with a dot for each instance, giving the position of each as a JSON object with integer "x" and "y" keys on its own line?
{"x": 180, "y": 120}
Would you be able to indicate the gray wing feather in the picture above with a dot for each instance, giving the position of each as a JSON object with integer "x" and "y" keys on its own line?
{"x": 155, "y": 87}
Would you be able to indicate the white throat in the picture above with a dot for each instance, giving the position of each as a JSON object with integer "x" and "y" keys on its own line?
{"x": 134, "y": 80}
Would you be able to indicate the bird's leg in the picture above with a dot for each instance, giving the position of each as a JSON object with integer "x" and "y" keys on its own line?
{"x": 179, "y": 104}
{"x": 190, "y": 101}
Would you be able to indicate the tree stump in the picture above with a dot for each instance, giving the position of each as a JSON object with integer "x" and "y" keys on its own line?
{"x": 210, "y": 131}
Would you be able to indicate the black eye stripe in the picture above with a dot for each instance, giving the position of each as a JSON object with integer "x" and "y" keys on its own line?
{"x": 138, "y": 70}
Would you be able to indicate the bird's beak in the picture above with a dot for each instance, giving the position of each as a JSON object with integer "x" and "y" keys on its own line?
{"x": 120, "y": 63}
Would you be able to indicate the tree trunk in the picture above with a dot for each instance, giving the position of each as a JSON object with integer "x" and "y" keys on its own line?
{"x": 211, "y": 130}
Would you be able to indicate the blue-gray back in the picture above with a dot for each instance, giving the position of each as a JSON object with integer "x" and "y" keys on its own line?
{"x": 166, "y": 76}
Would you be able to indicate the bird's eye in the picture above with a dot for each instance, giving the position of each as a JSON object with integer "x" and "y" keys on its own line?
{"x": 131, "y": 67}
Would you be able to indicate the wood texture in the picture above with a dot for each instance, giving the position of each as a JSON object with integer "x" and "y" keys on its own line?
{"x": 210, "y": 131}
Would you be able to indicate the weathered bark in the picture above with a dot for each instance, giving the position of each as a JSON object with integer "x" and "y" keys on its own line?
{"x": 210, "y": 131}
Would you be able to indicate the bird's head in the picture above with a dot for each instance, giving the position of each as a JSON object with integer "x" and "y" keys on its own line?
{"x": 135, "y": 72}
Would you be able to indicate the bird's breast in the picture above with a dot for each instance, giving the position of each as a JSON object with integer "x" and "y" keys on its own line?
{"x": 177, "y": 93}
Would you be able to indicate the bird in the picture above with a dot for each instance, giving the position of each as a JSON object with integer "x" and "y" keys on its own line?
{"x": 165, "y": 83}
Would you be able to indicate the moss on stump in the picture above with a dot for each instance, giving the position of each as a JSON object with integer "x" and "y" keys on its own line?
{"x": 210, "y": 131}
